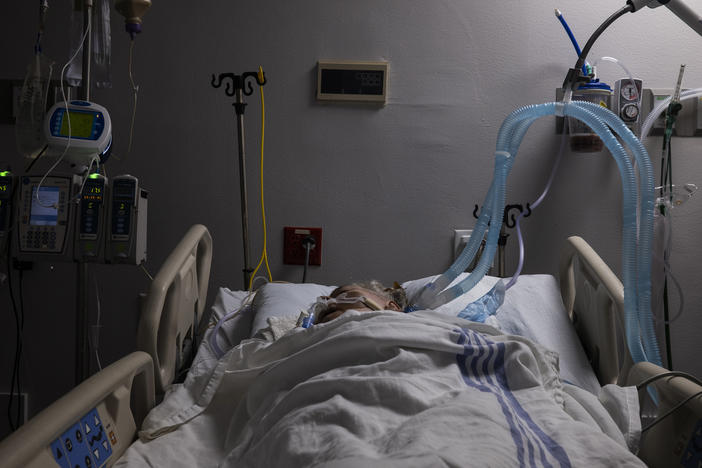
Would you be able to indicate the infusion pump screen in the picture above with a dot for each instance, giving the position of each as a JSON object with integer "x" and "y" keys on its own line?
{"x": 46, "y": 212}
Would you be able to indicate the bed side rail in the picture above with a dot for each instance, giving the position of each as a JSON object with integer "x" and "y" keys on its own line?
{"x": 677, "y": 439}
{"x": 594, "y": 299}
{"x": 174, "y": 306}
{"x": 118, "y": 397}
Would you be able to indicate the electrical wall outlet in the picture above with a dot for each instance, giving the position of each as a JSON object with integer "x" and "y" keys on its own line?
{"x": 293, "y": 249}
{"x": 460, "y": 239}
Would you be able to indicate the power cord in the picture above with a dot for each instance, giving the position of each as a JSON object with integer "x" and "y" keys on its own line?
{"x": 670, "y": 374}
{"x": 308, "y": 243}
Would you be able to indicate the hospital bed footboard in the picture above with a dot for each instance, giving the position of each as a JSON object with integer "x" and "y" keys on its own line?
{"x": 675, "y": 439}
{"x": 97, "y": 420}
{"x": 594, "y": 299}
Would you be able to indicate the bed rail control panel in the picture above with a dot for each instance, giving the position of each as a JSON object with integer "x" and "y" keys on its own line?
{"x": 45, "y": 220}
{"x": 127, "y": 222}
{"x": 86, "y": 444}
{"x": 91, "y": 213}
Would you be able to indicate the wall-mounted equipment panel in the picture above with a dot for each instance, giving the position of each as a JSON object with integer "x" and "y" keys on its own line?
{"x": 352, "y": 81}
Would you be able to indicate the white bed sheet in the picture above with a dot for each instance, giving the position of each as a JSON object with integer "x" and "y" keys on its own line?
{"x": 386, "y": 389}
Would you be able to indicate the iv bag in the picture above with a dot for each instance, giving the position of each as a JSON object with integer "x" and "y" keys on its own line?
{"x": 100, "y": 70}
{"x": 29, "y": 124}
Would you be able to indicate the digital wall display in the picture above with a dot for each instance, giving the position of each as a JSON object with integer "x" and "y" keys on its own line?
{"x": 46, "y": 213}
{"x": 81, "y": 124}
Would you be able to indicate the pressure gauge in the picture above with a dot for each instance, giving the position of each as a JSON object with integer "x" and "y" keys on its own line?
{"x": 629, "y": 91}
{"x": 630, "y": 112}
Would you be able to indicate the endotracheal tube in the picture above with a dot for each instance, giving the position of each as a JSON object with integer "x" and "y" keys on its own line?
{"x": 636, "y": 240}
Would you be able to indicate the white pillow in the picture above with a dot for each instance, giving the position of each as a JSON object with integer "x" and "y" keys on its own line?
{"x": 281, "y": 299}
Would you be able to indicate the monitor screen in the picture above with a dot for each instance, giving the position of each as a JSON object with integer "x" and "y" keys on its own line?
{"x": 81, "y": 124}
{"x": 45, "y": 210}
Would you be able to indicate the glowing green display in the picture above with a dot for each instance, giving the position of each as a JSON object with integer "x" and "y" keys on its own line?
{"x": 81, "y": 124}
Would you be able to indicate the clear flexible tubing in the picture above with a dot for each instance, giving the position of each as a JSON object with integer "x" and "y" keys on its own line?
{"x": 432, "y": 296}
{"x": 554, "y": 169}
{"x": 510, "y": 136}
{"x": 622, "y": 66}
{"x": 645, "y": 237}
{"x": 662, "y": 106}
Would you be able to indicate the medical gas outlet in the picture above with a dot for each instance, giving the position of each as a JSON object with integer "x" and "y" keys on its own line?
{"x": 294, "y": 252}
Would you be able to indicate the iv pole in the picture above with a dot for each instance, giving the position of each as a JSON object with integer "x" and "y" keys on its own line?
{"x": 238, "y": 88}
{"x": 82, "y": 346}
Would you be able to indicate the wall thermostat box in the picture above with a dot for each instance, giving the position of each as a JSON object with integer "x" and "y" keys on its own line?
{"x": 352, "y": 81}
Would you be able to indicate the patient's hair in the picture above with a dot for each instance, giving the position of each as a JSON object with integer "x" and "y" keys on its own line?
{"x": 396, "y": 293}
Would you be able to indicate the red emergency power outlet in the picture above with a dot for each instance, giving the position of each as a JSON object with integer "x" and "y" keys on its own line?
{"x": 293, "y": 248}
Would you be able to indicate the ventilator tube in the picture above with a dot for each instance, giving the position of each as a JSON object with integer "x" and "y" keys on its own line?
{"x": 635, "y": 258}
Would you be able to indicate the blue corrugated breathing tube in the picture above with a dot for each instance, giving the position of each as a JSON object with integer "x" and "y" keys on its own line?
{"x": 636, "y": 241}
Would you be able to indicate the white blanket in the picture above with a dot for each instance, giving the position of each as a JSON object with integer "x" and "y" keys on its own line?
{"x": 386, "y": 389}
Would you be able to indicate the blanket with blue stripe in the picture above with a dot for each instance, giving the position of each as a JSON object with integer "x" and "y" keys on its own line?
{"x": 386, "y": 389}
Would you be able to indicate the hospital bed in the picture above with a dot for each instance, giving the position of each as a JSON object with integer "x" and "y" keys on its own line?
{"x": 99, "y": 419}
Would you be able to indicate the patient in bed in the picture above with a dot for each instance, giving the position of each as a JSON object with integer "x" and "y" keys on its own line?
{"x": 362, "y": 296}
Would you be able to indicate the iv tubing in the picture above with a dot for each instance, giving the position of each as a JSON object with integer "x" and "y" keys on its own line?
{"x": 68, "y": 115}
{"x": 556, "y": 165}
{"x": 623, "y": 67}
{"x": 661, "y": 107}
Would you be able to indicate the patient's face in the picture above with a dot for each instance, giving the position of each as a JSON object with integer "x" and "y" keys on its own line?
{"x": 367, "y": 301}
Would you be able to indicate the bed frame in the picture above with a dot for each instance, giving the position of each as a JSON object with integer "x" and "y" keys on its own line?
{"x": 173, "y": 310}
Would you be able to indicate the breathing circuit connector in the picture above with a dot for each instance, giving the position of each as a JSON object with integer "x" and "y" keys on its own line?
{"x": 574, "y": 78}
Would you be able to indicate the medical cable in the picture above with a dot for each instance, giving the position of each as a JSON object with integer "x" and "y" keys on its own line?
{"x": 670, "y": 374}
{"x": 264, "y": 252}
{"x": 33, "y": 161}
{"x": 135, "y": 90}
{"x": 308, "y": 243}
{"x": 574, "y": 41}
{"x": 665, "y": 261}
{"x": 554, "y": 169}
{"x": 671, "y": 411}
{"x": 67, "y": 114}
{"x": 571, "y": 80}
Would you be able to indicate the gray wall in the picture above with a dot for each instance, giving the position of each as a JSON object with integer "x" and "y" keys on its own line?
{"x": 387, "y": 184}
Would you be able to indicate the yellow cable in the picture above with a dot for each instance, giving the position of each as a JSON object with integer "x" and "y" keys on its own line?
{"x": 264, "y": 253}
